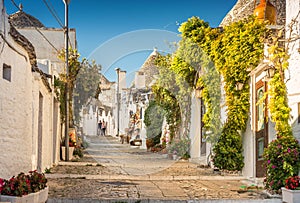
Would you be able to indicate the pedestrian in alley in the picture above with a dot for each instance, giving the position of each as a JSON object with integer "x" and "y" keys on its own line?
{"x": 99, "y": 127}
{"x": 103, "y": 127}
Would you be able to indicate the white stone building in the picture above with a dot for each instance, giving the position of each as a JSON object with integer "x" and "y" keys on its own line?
{"x": 29, "y": 116}
{"x": 254, "y": 139}
{"x": 48, "y": 42}
{"x": 100, "y": 109}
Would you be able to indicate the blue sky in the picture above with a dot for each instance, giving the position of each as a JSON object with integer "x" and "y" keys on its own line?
{"x": 119, "y": 33}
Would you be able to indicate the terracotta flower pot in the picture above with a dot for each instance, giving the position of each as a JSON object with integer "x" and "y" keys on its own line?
{"x": 266, "y": 11}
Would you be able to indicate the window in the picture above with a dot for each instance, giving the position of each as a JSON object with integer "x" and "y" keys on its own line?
{"x": 6, "y": 72}
{"x": 260, "y": 146}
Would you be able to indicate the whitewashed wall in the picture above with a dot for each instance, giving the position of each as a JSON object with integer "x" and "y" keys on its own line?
{"x": 43, "y": 49}
{"x": 292, "y": 76}
{"x": 19, "y": 112}
{"x": 15, "y": 107}
{"x": 195, "y": 131}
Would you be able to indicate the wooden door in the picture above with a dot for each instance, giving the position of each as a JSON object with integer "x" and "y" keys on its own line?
{"x": 261, "y": 128}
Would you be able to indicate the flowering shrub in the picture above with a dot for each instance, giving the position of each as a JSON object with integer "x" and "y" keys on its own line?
{"x": 181, "y": 147}
{"x": 282, "y": 160}
{"x": 38, "y": 181}
{"x": 23, "y": 184}
{"x": 293, "y": 183}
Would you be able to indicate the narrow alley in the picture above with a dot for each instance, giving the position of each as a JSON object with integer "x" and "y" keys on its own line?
{"x": 114, "y": 172}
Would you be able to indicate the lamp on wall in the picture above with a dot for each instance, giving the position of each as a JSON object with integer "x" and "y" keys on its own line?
{"x": 270, "y": 71}
{"x": 239, "y": 86}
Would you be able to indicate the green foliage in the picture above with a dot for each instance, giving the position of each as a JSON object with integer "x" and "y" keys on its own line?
{"x": 23, "y": 184}
{"x": 278, "y": 104}
{"x": 87, "y": 85}
{"x": 181, "y": 147}
{"x": 281, "y": 157}
{"x": 282, "y": 160}
{"x": 59, "y": 89}
{"x": 60, "y": 83}
{"x": 165, "y": 90}
{"x": 242, "y": 50}
{"x": 239, "y": 49}
{"x": 78, "y": 151}
{"x": 198, "y": 40}
{"x": 153, "y": 120}
{"x": 228, "y": 150}
{"x": 233, "y": 51}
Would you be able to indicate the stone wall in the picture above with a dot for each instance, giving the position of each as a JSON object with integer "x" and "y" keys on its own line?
{"x": 244, "y": 8}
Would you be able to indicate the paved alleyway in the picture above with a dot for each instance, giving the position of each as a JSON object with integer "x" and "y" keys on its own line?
{"x": 115, "y": 172}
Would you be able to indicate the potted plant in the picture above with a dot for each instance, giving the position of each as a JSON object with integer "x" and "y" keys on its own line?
{"x": 30, "y": 187}
{"x": 291, "y": 191}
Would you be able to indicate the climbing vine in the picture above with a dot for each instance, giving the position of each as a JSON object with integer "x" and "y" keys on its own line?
{"x": 74, "y": 67}
{"x": 241, "y": 50}
{"x": 234, "y": 50}
{"x": 200, "y": 39}
{"x": 282, "y": 158}
{"x": 164, "y": 90}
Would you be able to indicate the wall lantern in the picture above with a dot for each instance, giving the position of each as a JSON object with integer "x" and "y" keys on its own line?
{"x": 239, "y": 86}
{"x": 270, "y": 71}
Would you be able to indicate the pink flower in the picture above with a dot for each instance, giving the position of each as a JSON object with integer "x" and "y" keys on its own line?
{"x": 2, "y": 183}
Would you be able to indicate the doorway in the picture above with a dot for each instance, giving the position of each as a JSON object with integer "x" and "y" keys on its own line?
{"x": 261, "y": 127}
{"x": 40, "y": 133}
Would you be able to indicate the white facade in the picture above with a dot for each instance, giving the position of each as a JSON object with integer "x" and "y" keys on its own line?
{"x": 293, "y": 90}
{"x": 15, "y": 106}
{"x": 28, "y": 111}
{"x": 292, "y": 75}
{"x": 90, "y": 120}
{"x": 43, "y": 48}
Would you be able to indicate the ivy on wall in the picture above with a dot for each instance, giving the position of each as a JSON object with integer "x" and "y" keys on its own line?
{"x": 239, "y": 49}
{"x": 59, "y": 83}
{"x": 282, "y": 156}
{"x": 233, "y": 50}
{"x": 200, "y": 39}
{"x": 164, "y": 90}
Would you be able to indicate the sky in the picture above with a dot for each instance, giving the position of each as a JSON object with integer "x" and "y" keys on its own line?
{"x": 120, "y": 33}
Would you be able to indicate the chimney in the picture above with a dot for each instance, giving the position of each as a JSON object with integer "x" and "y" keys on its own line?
{"x": 139, "y": 79}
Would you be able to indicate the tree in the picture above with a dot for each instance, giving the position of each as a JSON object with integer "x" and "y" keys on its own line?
{"x": 62, "y": 80}
{"x": 87, "y": 85}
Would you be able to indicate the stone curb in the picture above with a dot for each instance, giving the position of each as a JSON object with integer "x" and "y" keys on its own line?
{"x": 55, "y": 200}
{"x": 142, "y": 177}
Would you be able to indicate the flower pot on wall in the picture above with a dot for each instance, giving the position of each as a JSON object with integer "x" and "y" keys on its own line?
{"x": 37, "y": 197}
{"x": 266, "y": 11}
{"x": 63, "y": 152}
{"x": 290, "y": 196}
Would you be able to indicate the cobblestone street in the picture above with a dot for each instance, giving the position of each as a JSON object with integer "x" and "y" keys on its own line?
{"x": 111, "y": 171}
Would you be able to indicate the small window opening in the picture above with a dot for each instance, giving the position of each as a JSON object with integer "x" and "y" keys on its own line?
{"x": 6, "y": 72}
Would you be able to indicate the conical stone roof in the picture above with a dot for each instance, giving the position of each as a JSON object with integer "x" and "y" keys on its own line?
{"x": 244, "y": 8}
{"x": 149, "y": 68}
{"x": 21, "y": 19}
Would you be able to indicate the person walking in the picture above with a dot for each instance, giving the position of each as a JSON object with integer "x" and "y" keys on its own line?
{"x": 103, "y": 127}
{"x": 99, "y": 127}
